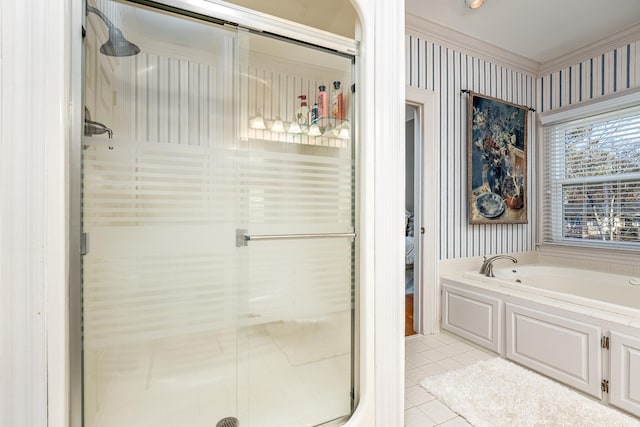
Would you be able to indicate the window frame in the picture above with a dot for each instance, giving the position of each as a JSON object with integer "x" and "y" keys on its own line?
{"x": 550, "y": 234}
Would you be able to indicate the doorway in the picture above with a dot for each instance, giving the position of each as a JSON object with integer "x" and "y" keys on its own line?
{"x": 422, "y": 206}
{"x": 413, "y": 208}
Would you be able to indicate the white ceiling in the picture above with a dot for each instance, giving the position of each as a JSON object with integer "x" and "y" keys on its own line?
{"x": 540, "y": 30}
{"x": 334, "y": 16}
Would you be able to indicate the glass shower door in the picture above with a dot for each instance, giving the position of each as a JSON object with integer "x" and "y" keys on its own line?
{"x": 297, "y": 183}
{"x": 160, "y": 332}
{"x": 220, "y": 267}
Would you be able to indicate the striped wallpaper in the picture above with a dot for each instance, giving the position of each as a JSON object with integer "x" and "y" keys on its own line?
{"x": 446, "y": 71}
{"x": 604, "y": 74}
{"x": 436, "y": 67}
{"x": 177, "y": 101}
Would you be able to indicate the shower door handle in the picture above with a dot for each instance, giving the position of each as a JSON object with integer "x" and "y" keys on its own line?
{"x": 243, "y": 237}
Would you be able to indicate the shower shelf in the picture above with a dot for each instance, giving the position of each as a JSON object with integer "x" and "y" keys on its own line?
{"x": 331, "y": 131}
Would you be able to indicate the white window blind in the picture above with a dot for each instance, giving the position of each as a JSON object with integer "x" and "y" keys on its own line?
{"x": 592, "y": 180}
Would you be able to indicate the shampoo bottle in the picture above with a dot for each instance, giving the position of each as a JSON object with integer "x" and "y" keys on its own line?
{"x": 337, "y": 103}
{"x": 323, "y": 102}
{"x": 302, "y": 115}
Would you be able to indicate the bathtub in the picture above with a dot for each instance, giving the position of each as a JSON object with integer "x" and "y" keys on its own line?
{"x": 610, "y": 292}
{"x": 579, "y": 327}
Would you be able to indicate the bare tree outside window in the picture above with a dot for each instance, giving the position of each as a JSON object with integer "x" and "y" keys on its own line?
{"x": 600, "y": 183}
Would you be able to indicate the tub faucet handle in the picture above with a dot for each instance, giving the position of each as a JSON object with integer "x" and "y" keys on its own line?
{"x": 485, "y": 263}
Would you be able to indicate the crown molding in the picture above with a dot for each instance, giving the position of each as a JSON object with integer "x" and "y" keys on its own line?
{"x": 609, "y": 43}
{"x": 470, "y": 45}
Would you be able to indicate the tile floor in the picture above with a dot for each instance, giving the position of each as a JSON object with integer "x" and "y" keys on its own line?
{"x": 430, "y": 355}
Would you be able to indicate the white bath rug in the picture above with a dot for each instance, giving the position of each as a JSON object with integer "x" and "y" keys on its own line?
{"x": 497, "y": 393}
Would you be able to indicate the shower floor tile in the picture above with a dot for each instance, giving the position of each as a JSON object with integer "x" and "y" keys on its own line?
{"x": 199, "y": 384}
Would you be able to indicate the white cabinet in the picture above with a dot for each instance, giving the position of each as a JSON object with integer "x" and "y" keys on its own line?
{"x": 565, "y": 349}
{"x": 624, "y": 384}
{"x": 473, "y": 316}
{"x": 558, "y": 343}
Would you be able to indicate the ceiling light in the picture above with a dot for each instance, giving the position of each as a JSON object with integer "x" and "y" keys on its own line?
{"x": 294, "y": 127}
{"x": 474, "y": 4}
{"x": 257, "y": 122}
{"x": 340, "y": 131}
{"x": 278, "y": 126}
{"x": 314, "y": 130}
{"x": 344, "y": 131}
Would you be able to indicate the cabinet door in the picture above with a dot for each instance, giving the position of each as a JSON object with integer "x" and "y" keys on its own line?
{"x": 472, "y": 316}
{"x": 562, "y": 348}
{"x": 624, "y": 385}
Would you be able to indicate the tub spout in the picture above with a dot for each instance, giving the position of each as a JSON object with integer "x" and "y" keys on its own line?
{"x": 487, "y": 264}
{"x": 95, "y": 128}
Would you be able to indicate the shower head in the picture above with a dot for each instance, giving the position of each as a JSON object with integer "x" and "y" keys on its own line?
{"x": 117, "y": 44}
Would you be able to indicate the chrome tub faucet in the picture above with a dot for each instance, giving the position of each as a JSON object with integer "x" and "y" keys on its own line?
{"x": 487, "y": 264}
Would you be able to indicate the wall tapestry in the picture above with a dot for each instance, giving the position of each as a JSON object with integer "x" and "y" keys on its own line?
{"x": 497, "y": 161}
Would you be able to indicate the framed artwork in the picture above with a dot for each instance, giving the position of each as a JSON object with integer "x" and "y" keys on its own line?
{"x": 497, "y": 163}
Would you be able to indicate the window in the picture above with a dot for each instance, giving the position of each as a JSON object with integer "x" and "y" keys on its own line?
{"x": 592, "y": 180}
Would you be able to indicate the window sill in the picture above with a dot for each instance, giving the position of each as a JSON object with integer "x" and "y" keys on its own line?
{"x": 594, "y": 253}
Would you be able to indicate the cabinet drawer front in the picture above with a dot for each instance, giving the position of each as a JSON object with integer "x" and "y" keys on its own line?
{"x": 564, "y": 349}
{"x": 624, "y": 386}
{"x": 472, "y": 316}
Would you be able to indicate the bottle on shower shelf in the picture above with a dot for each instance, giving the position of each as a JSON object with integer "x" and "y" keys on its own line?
{"x": 323, "y": 105}
{"x": 337, "y": 103}
{"x": 302, "y": 115}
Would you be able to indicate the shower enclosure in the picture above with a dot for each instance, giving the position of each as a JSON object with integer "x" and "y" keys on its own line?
{"x": 219, "y": 272}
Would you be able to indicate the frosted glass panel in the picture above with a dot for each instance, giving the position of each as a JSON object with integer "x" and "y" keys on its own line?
{"x": 159, "y": 207}
{"x": 299, "y": 291}
{"x": 158, "y": 279}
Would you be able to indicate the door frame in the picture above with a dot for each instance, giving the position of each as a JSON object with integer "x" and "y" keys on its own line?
{"x": 218, "y": 10}
{"x": 427, "y": 287}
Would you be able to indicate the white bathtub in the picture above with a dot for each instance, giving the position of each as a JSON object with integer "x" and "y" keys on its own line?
{"x": 579, "y": 327}
{"x": 613, "y": 293}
